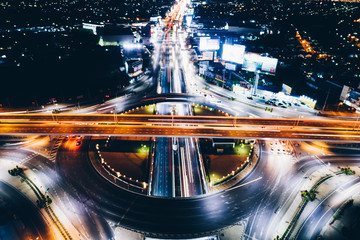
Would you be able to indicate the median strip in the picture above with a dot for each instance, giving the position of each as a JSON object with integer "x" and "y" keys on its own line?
{"x": 309, "y": 196}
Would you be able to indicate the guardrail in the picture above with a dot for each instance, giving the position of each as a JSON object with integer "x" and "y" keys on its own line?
{"x": 120, "y": 180}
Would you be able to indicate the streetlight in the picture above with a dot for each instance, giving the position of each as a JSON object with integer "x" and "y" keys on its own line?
{"x": 340, "y": 103}
{"x": 357, "y": 119}
{"x": 235, "y": 119}
{"x": 298, "y": 120}
{"x": 115, "y": 116}
{"x": 172, "y": 115}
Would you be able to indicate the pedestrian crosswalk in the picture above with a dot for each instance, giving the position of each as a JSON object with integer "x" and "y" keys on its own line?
{"x": 55, "y": 148}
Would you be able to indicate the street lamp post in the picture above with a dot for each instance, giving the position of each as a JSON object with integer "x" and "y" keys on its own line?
{"x": 340, "y": 103}
{"x": 298, "y": 120}
{"x": 357, "y": 119}
{"x": 235, "y": 119}
{"x": 172, "y": 115}
{"x": 223, "y": 78}
{"x": 115, "y": 116}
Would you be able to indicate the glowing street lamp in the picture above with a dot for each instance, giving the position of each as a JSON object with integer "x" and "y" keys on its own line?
{"x": 340, "y": 103}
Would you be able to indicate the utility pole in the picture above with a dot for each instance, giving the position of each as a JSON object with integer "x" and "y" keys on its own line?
{"x": 256, "y": 83}
{"x": 323, "y": 109}
{"x": 223, "y": 78}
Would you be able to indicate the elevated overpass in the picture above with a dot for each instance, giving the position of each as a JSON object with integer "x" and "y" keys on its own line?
{"x": 226, "y": 121}
{"x": 245, "y": 132}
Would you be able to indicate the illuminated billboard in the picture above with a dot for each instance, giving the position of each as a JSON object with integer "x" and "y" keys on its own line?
{"x": 233, "y": 53}
{"x": 206, "y": 56}
{"x": 230, "y": 66}
{"x": 188, "y": 20}
{"x": 269, "y": 65}
{"x": 345, "y": 93}
{"x": 350, "y": 97}
{"x": 286, "y": 89}
{"x": 254, "y": 62}
{"x": 134, "y": 67}
{"x": 207, "y": 43}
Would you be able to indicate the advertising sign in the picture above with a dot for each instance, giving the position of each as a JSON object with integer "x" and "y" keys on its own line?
{"x": 207, "y": 43}
{"x": 134, "y": 67}
{"x": 188, "y": 20}
{"x": 154, "y": 19}
{"x": 190, "y": 11}
{"x": 209, "y": 74}
{"x": 202, "y": 69}
{"x": 233, "y": 53}
{"x": 286, "y": 89}
{"x": 207, "y": 56}
{"x": 269, "y": 65}
{"x": 230, "y": 66}
{"x": 345, "y": 93}
{"x": 254, "y": 62}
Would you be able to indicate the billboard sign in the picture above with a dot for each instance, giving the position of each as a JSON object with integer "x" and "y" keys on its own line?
{"x": 190, "y": 11}
{"x": 207, "y": 43}
{"x": 203, "y": 68}
{"x": 345, "y": 93}
{"x": 286, "y": 89}
{"x": 188, "y": 20}
{"x": 230, "y": 66}
{"x": 207, "y": 56}
{"x": 254, "y": 62}
{"x": 154, "y": 19}
{"x": 350, "y": 97}
{"x": 233, "y": 53}
{"x": 269, "y": 65}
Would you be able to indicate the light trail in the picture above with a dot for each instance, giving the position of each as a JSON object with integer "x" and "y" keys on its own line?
{"x": 244, "y": 184}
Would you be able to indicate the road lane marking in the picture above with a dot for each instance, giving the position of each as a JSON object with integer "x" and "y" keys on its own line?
{"x": 241, "y": 185}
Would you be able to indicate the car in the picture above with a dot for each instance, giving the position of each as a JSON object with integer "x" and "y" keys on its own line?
{"x": 67, "y": 138}
{"x": 279, "y": 150}
{"x": 289, "y": 104}
{"x": 296, "y": 104}
{"x": 250, "y": 97}
{"x": 271, "y": 149}
{"x": 283, "y": 142}
{"x": 78, "y": 142}
{"x": 283, "y": 106}
{"x": 268, "y": 102}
